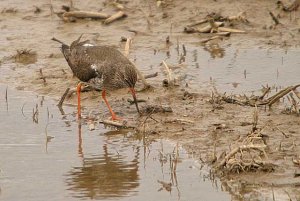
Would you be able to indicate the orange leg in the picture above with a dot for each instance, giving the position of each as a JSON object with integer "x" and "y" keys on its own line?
{"x": 134, "y": 99}
{"x": 113, "y": 115}
{"x": 78, "y": 100}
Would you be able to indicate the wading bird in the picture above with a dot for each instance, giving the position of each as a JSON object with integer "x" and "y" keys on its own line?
{"x": 104, "y": 62}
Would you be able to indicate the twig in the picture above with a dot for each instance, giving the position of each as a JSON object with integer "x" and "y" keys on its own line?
{"x": 35, "y": 114}
{"x": 283, "y": 133}
{"x": 131, "y": 102}
{"x": 184, "y": 50}
{"x": 274, "y": 18}
{"x": 257, "y": 101}
{"x": 116, "y": 124}
{"x": 115, "y": 17}
{"x": 62, "y": 99}
{"x": 294, "y": 103}
{"x": 265, "y": 93}
{"x": 42, "y": 76}
{"x": 280, "y": 94}
{"x": 255, "y": 119}
{"x": 85, "y": 14}
{"x": 225, "y": 29}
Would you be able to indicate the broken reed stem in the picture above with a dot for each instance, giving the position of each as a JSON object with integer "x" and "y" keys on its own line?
{"x": 35, "y": 114}
{"x": 62, "y": 99}
{"x": 296, "y": 93}
{"x": 131, "y": 102}
{"x": 127, "y": 46}
{"x": 42, "y": 76}
{"x": 265, "y": 93}
{"x": 175, "y": 161}
{"x": 255, "y": 119}
{"x": 184, "y": 50}
{"x": 294, "y": 103}
{"x": 254, "y": 102}
{"x": 115, "y": 17}
{"x": 85, "y": 14}
{"x": 274, "y": 18}
{"x": 169, "y": 72}
{"x": 276, "y": 97}
{"x": 116, "y": 124}
{"x": 283, "y": 133}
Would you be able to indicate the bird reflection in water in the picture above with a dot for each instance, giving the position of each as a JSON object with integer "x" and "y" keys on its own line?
{"x": 104, "y": 176}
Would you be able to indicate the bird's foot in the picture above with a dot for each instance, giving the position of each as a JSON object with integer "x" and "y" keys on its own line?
{"x": 115, "y": 118}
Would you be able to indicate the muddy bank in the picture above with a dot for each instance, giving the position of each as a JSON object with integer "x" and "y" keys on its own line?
{"x": 194, "y": 122}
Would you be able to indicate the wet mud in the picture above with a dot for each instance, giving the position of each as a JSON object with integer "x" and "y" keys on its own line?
{"x": 240, "y": 64}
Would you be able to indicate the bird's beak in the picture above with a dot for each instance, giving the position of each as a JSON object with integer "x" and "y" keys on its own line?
{"x": 135, "y": 100}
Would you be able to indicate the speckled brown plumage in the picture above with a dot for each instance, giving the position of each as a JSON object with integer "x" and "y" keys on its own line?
{"x": 104, "y": 62}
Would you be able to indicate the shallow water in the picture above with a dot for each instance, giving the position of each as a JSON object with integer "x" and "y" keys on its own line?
{"x": 51, "y": 157}
{"x": 230, "y": 69}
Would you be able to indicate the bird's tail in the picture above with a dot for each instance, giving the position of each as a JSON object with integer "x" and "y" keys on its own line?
{"x": 63, "y": 44}
{"x": 65, "y": 49}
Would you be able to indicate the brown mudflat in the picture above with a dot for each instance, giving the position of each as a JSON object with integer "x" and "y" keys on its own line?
{"x": 266, "y": 54}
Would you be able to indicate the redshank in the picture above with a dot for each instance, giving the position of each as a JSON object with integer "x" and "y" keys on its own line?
{"x": 104, "y": 62}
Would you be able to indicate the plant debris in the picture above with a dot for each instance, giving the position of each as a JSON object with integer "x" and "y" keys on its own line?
{"x": 25, "y": 56}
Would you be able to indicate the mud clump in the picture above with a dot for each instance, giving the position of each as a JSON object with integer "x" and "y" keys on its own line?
{"x": 25, "y": 56}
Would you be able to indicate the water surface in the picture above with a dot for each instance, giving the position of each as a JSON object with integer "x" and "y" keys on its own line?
{"x": 47, "y": 155}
